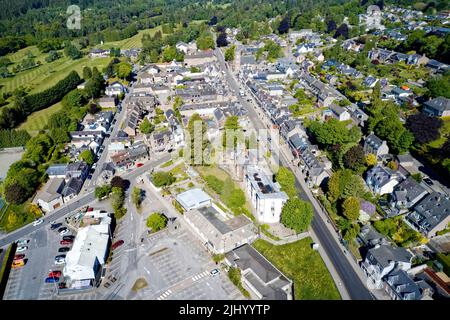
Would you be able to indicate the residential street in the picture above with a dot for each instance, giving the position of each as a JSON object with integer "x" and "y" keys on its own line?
{"x": 343, "y": 271}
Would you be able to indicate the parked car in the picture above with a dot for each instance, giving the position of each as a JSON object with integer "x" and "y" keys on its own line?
{"x": 428, "y": 181}
{"x": 61, "y": 229}
{"x": 68, "y": 237}
{"x": 22, "y": 242}
{"x": 19, "y": 256}
{"x": 117, "y": 244}
{"x": 64, "y": 232}
{"x": 55, "y": 226}
{"x": 37, "y": 222}
{"x": 215, "y": 272}
{"x": 63, "y": 249}
{"x": 60, "y": 261}
{"x": 65, "y": 242}
{"x": 55, "y": 273}
{"x": 51, "y": 280}
{"x": 22, "y": 249}
{"x": 60, "y": 256}
{"x": 89, "y": 209}
{"x": 18, "y": 263}
{"x": 138, "y": 165}
{"x": 62, "y": 285}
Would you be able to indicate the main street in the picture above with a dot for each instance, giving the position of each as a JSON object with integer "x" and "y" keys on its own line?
{"x": 346, "y": 273}
{"x": 77, "y": 203}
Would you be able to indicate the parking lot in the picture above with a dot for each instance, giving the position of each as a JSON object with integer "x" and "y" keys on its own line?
{"x": 28, "y": 282}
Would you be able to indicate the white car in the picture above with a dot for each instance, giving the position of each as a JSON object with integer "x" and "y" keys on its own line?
{"x": 22, "y": 249}
{"x": 215, "y": 272}
{"x": 22, "y": 242}
{"x": 37, "y": 222}
{"x": 64, "y": 232}
{"x": 60, "y": 261}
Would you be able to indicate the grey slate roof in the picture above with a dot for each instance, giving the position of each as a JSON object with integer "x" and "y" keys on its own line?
{"x": 384, "y": 254}
{"x": 404, "y": 287}
{"x": 430, "y": 211}
{"x": 439, "y": 103}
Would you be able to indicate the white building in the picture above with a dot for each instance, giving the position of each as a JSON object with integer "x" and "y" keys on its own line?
{"x": 85, "y": 261}
{"x": 382, "y": 180}
{"x": 114, "y": 89}
{"x": 50, "y": 198}
{"x": 194, "y": 199}
{"x": 265, "y": 195}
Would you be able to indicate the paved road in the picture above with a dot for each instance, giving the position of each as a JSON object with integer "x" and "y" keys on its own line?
{"x": 75, "y": 204}
{"x": 355, "y": 288}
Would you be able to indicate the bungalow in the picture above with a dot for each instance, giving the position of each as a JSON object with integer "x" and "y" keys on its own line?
{"x": 382, "y": 180}
{"x": 437, "y": 107}
{"x": 370, "y": 81}
{"x": 99, "y": 53}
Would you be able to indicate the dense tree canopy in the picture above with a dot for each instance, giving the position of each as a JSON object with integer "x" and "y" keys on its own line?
{"x": 333, "y": 132}
{"x": 297, "y": 214}
{"x": 424, "y": 128}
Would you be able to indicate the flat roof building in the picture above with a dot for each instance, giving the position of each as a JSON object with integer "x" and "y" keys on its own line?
{"x": 193, "y": 199}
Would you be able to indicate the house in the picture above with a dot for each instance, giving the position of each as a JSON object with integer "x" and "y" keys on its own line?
{"x": 194, "y": 199}
{"x": 374, "y": 145}
{"x": 406, "y": 194}
{"x": 258, "y": 276}
{"x": 107, "y": 173}
{"x": 367, "y": 210}
{"x": 417, "y": 59}
{"x": 437, "y": 107}
{"x": 218, "y": 232}
{"x": 436, "y": 66}
{"x": 183, "y": 47}
{"x": 71, "y": 189}
{"x": 115, "y": 89}
{"x": 431, "y": 214}
{"x": 338, "y": 112}
{"x": 265, "y": 196}
{"x": 49, "y": 198}
{"x": 370, "y": 81}
{"x": 199, "y": 58}
{"x": 382, "y": 180}
{"x": 109, "y": 102}
{"x": 399, "y": 285}
{"x": 161, "y": 140}
{"x": 382, "y": 259}
{"x": 56, "y": 171}
{"x": 248, "y": 60}
{"x": 85, "y": 261}
{"x": 99, "y": 53}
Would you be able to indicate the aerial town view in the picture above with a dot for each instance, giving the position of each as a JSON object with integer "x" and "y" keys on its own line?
{"x": 224, "y": 150}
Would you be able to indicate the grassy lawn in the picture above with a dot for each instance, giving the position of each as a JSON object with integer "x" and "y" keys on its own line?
{"x": 38, "y": 120}
{"x": 304, "y": 266}
{"x": 445, "y": 132}
{"x": 133, "y": 42}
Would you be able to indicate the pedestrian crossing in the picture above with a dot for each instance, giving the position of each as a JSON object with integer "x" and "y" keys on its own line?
{"x": 199, "y": 276}
{"x": 165, "y": 295}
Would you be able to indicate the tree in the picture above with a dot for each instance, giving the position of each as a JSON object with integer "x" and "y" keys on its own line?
{"x": 284, "y": 25}
{"x": 72, "y": 52}
{"x": 102, "y": 191}
{"x": 439, "y": 86}
{"x": 342, "y": 31}
{"x": 285, "y": 177}
{"x": 171, "y": 53}
{"x": 371, "y": 160}
{"x": 297, "y": 214}
{"x": 87, "y": 73}
{"x": 123, "y": 70}
{"x": 136, "y": 197}
{"x": 354, "y": 158}
{"x": 343, "y": 184}
{"x": 117, "y": 198}
{"x": 331, "y": 26}
{"x": 351, "y": 207}
{"x": 213, "y": 21}
{"x": 198, "y": 142}
{"x": 52, "y": 56}
{"x": 333, "y": 132}
{"x": 163, "y": 179}
{"x": 15, "y": 193}
{"x": 146, "y": 127}
{"x": 424, "y": 128}
{"x": 156, "y": 222}
{"x": 232, "y": 132}
{"x": 118, "y": 182}
{"x": 87, "y": 156}
{"x": 230, "y": 53}
{"x": 93, "y": 108}
{"x": 205, "y": 41}
{"x": 222, "y": 40}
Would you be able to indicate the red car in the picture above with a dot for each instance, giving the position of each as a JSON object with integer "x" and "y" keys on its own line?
{"x": 90, "y": 209}
{"x": 65, "y": 242}
{"x": 139, "y": 165}
{"x": 117, "y": 244}
{"x": 54, "y": 274}
{"x": 19, "y": 256}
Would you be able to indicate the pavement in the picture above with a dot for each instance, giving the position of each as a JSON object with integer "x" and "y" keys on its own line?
{"x": 344, "y": 272}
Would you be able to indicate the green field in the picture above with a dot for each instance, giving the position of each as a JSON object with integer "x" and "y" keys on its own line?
{"x": 38, "y": 120}
{"x": 133, "y": 42}
{"x": 48, "y": 74}
{"x": 312, "y": 280}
